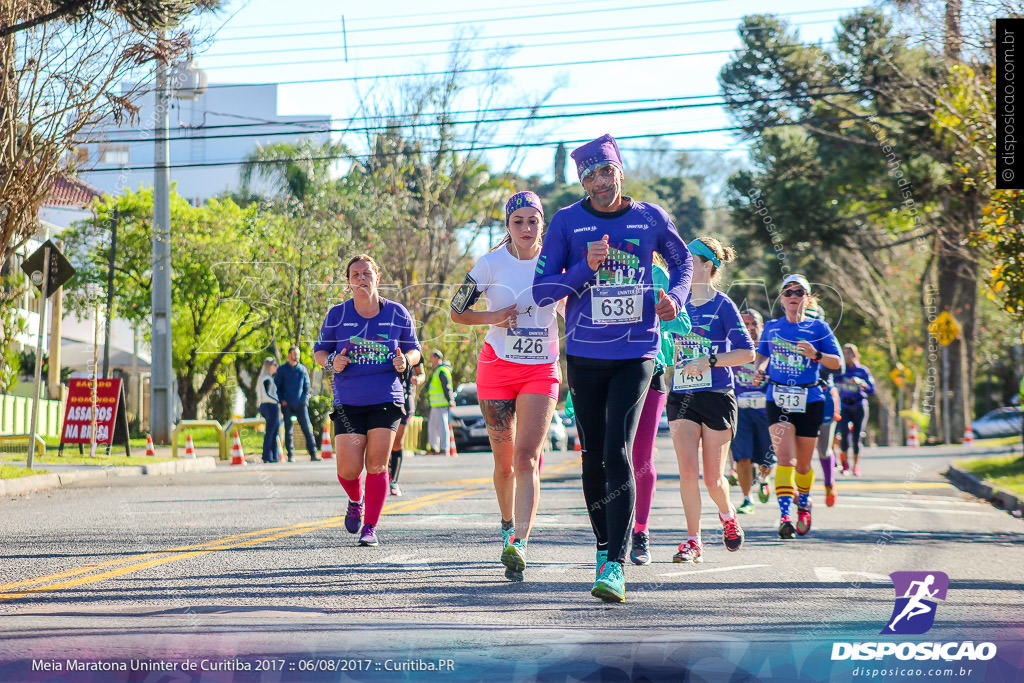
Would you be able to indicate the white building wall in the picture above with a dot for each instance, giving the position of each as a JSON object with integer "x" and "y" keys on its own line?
{"x": 132, "y": 145}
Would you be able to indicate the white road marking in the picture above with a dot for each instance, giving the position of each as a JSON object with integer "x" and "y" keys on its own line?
{"x": 914, "y": 508}
{"x": 883, "y": 527}
{"x": 714, "y": 570}
{"x": 833, "y": 575}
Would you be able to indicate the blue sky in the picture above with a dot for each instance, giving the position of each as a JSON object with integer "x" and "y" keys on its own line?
{"x": 604, "y": 50}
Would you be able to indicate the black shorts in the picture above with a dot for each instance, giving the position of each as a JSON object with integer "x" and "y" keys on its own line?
{"x": 807, "y": 423}
{"x": 360, "y": 419}
{"x": 714, "y": 409}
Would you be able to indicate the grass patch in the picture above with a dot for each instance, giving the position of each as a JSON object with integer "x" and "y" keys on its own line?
{"x": 73, "y": 458}
{"x": 1005, "y": 472}
{"x": 10, "y": 472}
{"x": 999, "y": 441}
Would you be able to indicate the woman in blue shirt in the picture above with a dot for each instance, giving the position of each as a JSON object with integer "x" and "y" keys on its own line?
{"x": 788, "y": 356}
{"x": 366, "y": 343}
{"x": 855, "y": 385}
{"x": 702, "y": 405}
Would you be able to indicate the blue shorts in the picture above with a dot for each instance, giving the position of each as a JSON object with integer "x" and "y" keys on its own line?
{"x": 830, "y": 408}
{"x": 751, "y": 441}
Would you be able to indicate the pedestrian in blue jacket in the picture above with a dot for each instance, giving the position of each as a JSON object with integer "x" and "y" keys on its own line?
{"x": 292, "y": 380}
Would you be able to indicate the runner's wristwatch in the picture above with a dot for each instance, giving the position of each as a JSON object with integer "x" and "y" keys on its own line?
{"x": 712, "y": 360}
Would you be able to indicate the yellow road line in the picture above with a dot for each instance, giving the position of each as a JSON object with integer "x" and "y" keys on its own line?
{"x": 211, "y": 546}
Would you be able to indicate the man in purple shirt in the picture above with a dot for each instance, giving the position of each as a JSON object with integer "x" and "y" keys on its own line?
{"x": 598, "y": 252}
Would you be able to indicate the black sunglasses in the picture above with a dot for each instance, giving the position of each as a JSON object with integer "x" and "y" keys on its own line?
{"x": 793, "y": 292}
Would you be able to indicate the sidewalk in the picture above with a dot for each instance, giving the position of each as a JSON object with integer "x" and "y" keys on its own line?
{"x": 61, "y": 475}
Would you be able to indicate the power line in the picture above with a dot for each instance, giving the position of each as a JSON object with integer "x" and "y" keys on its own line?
{"x": 389, "y": 117}
{"x": 507, "y": 119}
{"x": 426, "y": 14}
{"x": 520, "y": 145}
{"x": 618, "y": 30}
{"x": 524, "y": 17}
{"x": 487, "y": 69}
{"x": 414, "y": 55}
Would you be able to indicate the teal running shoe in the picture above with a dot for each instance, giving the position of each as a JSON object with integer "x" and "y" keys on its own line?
{"x": 602, "y": 558}
{"x": 746, "y": 508}
{"x": 514, "y": 556}
{"x": 611, "y": 585}
{"x": 507, "y": 535}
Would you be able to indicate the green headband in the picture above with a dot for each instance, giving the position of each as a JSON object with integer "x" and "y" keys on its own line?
{"x": 701, "y": 249}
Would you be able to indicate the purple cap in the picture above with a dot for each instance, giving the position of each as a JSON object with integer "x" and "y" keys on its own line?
{"x": 519, "y": 200}
{"x": 596, "y": 153}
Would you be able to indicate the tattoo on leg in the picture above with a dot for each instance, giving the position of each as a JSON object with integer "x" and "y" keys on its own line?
{"x": 499, "y": 415}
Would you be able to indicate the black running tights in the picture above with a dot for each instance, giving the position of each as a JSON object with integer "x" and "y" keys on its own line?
{"x": 608, "y": 396}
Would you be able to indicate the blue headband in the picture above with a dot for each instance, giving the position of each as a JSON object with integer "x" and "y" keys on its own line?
{"x": 701, "y": 249}
{"x": 520, "y": 200}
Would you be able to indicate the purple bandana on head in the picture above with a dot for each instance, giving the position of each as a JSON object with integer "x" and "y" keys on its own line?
{"x": 519, "y": 200}
{"x": 596, "y": 153}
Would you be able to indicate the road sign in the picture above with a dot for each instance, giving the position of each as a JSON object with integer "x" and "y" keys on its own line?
{"x": 944, "y": 328}
{"x": 60, "y": 271}
{"x": 899, "y": 375}
{"x": 111, "y": 420}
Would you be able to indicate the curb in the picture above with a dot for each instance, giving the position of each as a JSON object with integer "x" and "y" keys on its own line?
{"x": 1000, "y": 499}
{"x": 41, "y": 482}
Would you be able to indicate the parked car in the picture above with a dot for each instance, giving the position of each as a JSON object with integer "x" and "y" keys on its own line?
{"x": 467, "y": 421}
{"x": 999, "y": 422}
{"x": 572, "y": 435}
{"x": 557, "y": 436}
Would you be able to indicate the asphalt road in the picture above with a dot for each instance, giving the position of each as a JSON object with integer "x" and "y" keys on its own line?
{"x": 251, "y": 571}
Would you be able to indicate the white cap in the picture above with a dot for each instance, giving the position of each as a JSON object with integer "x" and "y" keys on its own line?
{"x": 798, "y": 279}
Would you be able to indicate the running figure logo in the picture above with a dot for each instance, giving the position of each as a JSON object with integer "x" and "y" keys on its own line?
{"x": 916, "y": 592}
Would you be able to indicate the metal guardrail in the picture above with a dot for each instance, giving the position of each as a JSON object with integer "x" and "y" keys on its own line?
{"x": 225, "y": 450}
{"x": 25, "y": 437}
{"x": 185, "y": 425}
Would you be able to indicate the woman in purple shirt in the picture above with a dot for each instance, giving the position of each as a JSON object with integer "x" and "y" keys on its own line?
{"x": 855, "y": 385}
{"x": 702, "y": 406}
{"x": 367, "y": 343}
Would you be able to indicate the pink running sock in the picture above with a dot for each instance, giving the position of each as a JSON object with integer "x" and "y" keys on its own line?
{"x": 376, "y": 494}
{"x": 353, "y": 487}
{"x": 639, "y": 528}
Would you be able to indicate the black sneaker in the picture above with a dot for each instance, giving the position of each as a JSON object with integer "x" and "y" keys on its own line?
{"x": 640, "y": 553}
{"x": 786, "y": 528}
{"x": 732, "y": 534}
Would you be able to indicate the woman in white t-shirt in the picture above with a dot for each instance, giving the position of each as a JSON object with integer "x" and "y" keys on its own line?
{"x": 517, "y": 372}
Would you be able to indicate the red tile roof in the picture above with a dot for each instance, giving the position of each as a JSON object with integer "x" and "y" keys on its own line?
{"x": 70, "y": 191}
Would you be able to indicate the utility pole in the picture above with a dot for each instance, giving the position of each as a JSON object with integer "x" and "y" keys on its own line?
{"x": 161, "y": 416}
{"x": 110, "y": 293}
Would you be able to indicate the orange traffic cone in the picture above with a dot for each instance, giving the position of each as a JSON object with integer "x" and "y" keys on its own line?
{"x": 452, "y": 453}
{"x": 968, "y": 436}
{"x": 190, "y": 448}
{"x": 150, "y": 451}
{"x": 237, "y": 457}
{"x": 326, "y": 449}
{"x": 912, "y": 436}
